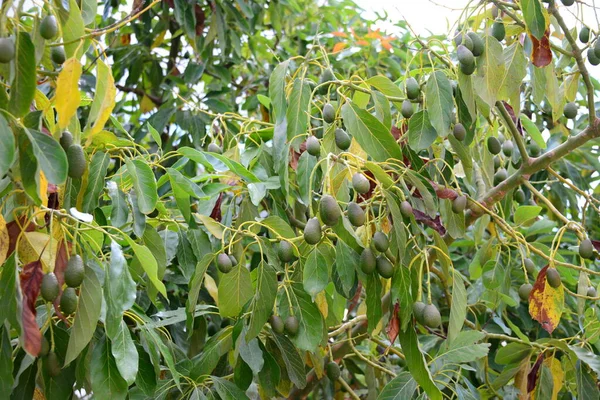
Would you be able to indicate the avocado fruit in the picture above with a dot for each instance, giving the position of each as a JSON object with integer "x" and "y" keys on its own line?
{"x": 570, "y": 110}
{"x": 553, "y": 277}
{"x": 407, "y": 109}
{"x": 66, "y": 140}
{"x": 367, "y": 261}
{"x": 529, "y": 266}
{"x": 465, "y": 56}
{"x": 75, "y": 271}
{"x": 418, "y": 308}
{"x": 459, "y": 132}
{"x": 498, "y": 30}
{"x": 52, "y": 364}
{"x": 519, "y": 196}
{"x": 342, "y": 139}
{"x": 49, "y": 27}
{"x": 312, "y": 231}
{"x": 77, "y": 161}
{"x": 58, "y": 55}
{"x": 568, "y": 2}
{"x": 45, "y": 349}
{"x": 49, "y": 288}
{"x": 478, "y": 45}
{"x": 381, "y": 241}
{"x": 586, "y": 249}
{"x": 68, "y": 301}
{"x": 507, "y": 148}
{"x": 329, "y": 210}
{"x": 356, "y": 215}
{"x": 360, "y": 183}
{"x": 591, "y": 292}
{"x": 234, "y": 261}
{"x": 406, "y": 209}
{"x": 224, "y": 263}
{"x": 333, "y": 371}
{"x": 285, "y": 251}
{"x": 524, "y": 291}
{"x": 412, "y": 88}
{"x": 277, "y": 324}
{"x": 291, "y": 325}
{"x": 459, "y": 204}
{"x": 500, "y": 176}
{"x": 467, "y": 69}
{"x": 384, "y": 267}
{"x": 431, "y": 316}
{"x": 584, "y": 34}
{"x": 313, "y": 146}
{"x": 592, "y": 57}
{"x": 7, "y": 50}
{"x": 328, "y": 113}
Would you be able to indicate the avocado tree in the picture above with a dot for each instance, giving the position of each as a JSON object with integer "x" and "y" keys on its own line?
{"x": 266, "y": 199}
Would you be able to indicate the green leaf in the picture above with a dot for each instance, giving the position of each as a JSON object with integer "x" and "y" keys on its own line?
{"x": 89, "y": 308}
{"x": 250, "y": 352}
{"x": 148, "y": 262}
{"x": 291, "y": 358}
{"x": 533, "y": 131}
{"x": 385, "y": 86}
{"x": 7, "y": 146}
{"x": 315, "y": 272}
{"x": 6, "y": 361}
{"x": 278, "y": 226}
{"x": 216, "y": 347}
{"x": 264, "y": 299}
{"x": 235, "y": 167}
{"x": 306, "y": 165}
{"x": 25, "y": 77}
{"x": 146, "y": 377}
{"x": 440, "y": 103}
{"x": 120, "y": 210}
{"x": 382, "y": 109}
{"x": 97, "y": 173}
{"x": 297, "y": 112}
{"x": 346, "y": 262}
{"x": 28, "y": 166}
{"x": 586, "y": 384}
{"x": 235, "y": 289}
{"x": 50, "y": 156}
{"x": 8, "y": 300}
{"x": 591, "y": 359}
{"x": 545, "y": 384}
{"x": 373, "y": 301}
{"x": 370, "y": 134}
{"x": 277, "y": 91}
{"x": 421, "y": 134}
{"x": 515, "y": 71}
{"x": 124, "y": 352}
{"x": 144, "y": 184}
{"x": 524, "y": 214}
{"x": 89, "y": 8}
{"x": 119, "y": 290}
{"x": 73, "y": 28}
{"x": 227, "y": 390}
{"x": 153, "y": 338}
{"x": 464, "y": 349}
{"x": 512, "y": 353}
{"x": 490, "y": 71}
{"x": 416, "y": 363}
{"x": 310, "y": 332}
{"x": 402, "y": 387}
{"x": 458, "y": 312}
{"x": 534, "y": 17}
{"x": 194, "y": 288}
{"x": 106, "y": 381}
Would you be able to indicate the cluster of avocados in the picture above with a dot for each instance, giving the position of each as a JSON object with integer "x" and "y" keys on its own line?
{"x": 75, "y": 155}
{"x": 50, "y": 288}
{"x": 48, "y": 30}
{"x": 413, "y": 91}
{"x": 469, "y": 46}
{"x": 593, "y": 52}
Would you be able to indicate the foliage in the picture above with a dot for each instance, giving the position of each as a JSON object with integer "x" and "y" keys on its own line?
{"x": 434, "y": 236}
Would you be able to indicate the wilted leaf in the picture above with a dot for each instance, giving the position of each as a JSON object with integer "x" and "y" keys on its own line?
{"x": 545, "y": 302}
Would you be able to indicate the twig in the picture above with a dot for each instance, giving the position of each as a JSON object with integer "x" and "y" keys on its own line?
{"x": 512, "y": 128}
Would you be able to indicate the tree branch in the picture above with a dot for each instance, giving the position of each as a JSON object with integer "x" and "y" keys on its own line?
{"x": 512, "y": 128}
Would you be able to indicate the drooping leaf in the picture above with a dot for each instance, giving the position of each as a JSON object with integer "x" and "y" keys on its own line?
{"x": 7, "y": 146}
{"x": 144, "y": 184}
{"x": 104, "y": 99}
{"x": 31, "y": 280}
{"x": 50, "y": 156}
{"x": 293, "y": 361}
{"x": 106, "y": 381}
{"x": 25, "y": 80}
{"x": 534, "y": 17}
{"x": 277, "y": 91}
{"x": 261, "y": 306}
{"x": 545, "y": 302}
{"x": 119, "y": 290}
{"x": 490, "y": 71}
{"x": 297, "y": 111}
{"x": 97, "y": 173}
{"x": 67, "y": 98}
{"x": 316, "y": 272}
{"x": 403, "y": 386}
{"x": 124, "y": 352}
{"x": 235, "y": 289}
{"x": 421, "y": 134}
{"x": 438, "y": 94}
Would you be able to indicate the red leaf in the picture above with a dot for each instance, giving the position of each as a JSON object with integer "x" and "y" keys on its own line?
{"x": 14, "y": 230}
{"x": 31, "y": 280}
{"x": 545, "y": 302}
{"x": 216, "y": 212}
{"x": 541, "y": 55}
{"x": 596, "y": 244}
{"x": 532, "y": 377}
{"x": 433, "y": 223}
{"x": 393, "y": 328}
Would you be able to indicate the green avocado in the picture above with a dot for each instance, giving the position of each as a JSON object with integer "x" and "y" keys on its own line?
{"x": 291, "y": 325}
{"x": 406, "y": 209}
{"x": 66, "y": 140}
{"x": 381, "y": 241}
{"x": 75, "y": 271}
{"x": 418, "y": 308}
{"x": 568, "y": 2}
{"x": 234, "y": 261}
{"x": 313, "y": 146}
{"x": 224, "y": 263}
{"x": 467, "y": 69}
{"x": 431, "y": 316}
{"x": 584, "y": 34}
{"x": 49, "y": 288}
{"x": 459, "y": 132}
{"x": 328, "y": 113}
{"x": 591, "y": 292}
{"x": 500, "y": 176}
{"x": 329, "y": 210}
{"x": 57, "y": 55}
{"x": 459, "y": 204}
{"x": 553, "y": 277}
{"x": 529, "y": 266}
{"x": 367, "y": 261}
{"x": 360, "y": 183}
{"x": 45, "y": 347}
{"x": 478, "y": 45}
{"x": 7, "y": 50}
{"x": 52, "y": 365}
{"x": 285, "y": 251}
{"x": 465, "y": 56}
{"x": 68, "y": 301}
{"x": 49, "y": 27}
{"x": 507, "y": 148}
{"x": 586, "y": 249}
{"x": 412, "y": 88}
{"x": 77, "y": 161}
{"x": 342, "y": 139}
{"x": 570, "y": 110}
{"x": 407, "y": 109}
{"x": 524, "y": 291}
{"x": 520, "y": 196}
{"x": 384, "y": 267}
{"x": 312, "y": 231}
{"x": 356, "y": 215}
{"x": 534, "y": 149}
{"x": 211, "y": 329}
{"x": 498, "y": 30}
{"x": 333, "y": 371}
{"x": 592, "y": 57}
{"x": 277, "y": 324}
{"x": 497, "y": 162}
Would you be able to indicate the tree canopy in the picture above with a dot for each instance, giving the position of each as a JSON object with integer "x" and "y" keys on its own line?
{"x": 214, "y": 199}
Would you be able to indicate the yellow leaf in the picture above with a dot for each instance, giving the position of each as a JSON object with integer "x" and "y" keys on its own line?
{"x": 545, "y": 302}
{"x": 321, "y": 301}
{"x": 558, "y": 377}
{"x": 212, "y": 226}
{"x": 34, "y": 246}
{"x": 4, "y": 240}
{"x": 67, "y": 96}
{"x": 43, "y": 191}
{"x": 212, "y": 288}
{"x": 42, "y": 103}
{"x": 104, "y": 101}
{"x": 146, "y": 105}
